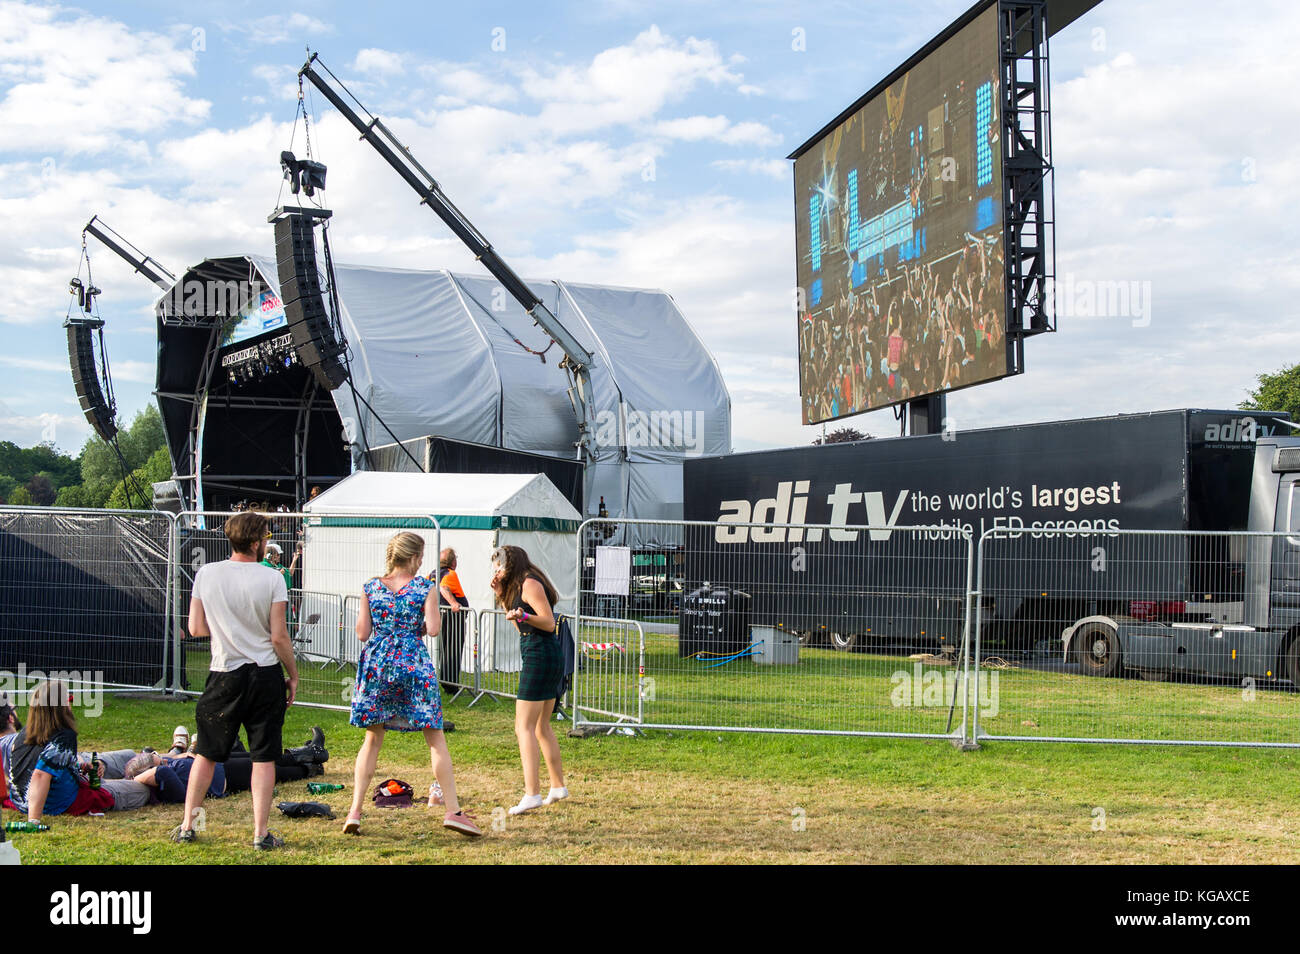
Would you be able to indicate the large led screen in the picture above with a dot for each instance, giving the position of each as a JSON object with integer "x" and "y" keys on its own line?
{"x": 898, "y": 212}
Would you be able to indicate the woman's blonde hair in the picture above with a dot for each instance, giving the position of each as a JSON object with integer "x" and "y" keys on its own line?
{"x": 49, "y": 712}
{"x": 405, "y": 549}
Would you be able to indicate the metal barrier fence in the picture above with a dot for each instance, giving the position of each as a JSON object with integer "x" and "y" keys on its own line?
{"x": 328, "y": 558}
{"x": 1112, "y": 635}
{"x": 1096, "y": 634}
{"x": 609, "y": 678}
{"x": 84, "y": 596}
{"x": 754, "y": 630}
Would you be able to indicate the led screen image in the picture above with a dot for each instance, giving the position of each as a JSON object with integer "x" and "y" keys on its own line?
{"x": 898, "y": 213}
{"x": 264, "y": 314}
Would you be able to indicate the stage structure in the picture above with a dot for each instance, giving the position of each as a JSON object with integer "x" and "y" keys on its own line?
{"x": 277, "y": 375}
{"x": 924, "y": 223}
{"x": 432, "y": 353}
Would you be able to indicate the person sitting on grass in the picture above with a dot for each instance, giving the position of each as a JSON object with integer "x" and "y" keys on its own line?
{"x": 44, "y": 775}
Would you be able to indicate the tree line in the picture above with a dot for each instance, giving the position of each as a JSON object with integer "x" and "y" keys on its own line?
{"x": 42, "y": 476}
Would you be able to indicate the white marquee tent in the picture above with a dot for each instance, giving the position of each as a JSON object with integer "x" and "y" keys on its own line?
{"x": 349, "y": 525}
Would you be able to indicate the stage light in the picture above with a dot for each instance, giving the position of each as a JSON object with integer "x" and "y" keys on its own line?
{"x": 313, "y": 176}
{"x": 76, "y": 288}
{"x": 302, "y": 174}
{"x": 289, "y": 163}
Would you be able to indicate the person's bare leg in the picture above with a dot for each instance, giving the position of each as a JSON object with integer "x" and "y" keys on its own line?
{"x": 526, "y": 715}
{"x": 367, "y": 759}
{"x": 200, "y": 778}
{"x": 442, "y": 768}
{"x": 550, "y": 746}
{"x": 263, "y": 789}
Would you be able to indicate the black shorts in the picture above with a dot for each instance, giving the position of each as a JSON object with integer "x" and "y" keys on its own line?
{"x": 252, "y": 696}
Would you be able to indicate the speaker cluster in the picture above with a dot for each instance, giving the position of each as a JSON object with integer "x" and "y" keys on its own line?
{"x": 315, "y": 339}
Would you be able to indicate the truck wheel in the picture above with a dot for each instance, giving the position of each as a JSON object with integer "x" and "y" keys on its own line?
{"x": 844, "y": 642}
{"x": 807, "y": 637}
{"x": 1096, "y": 649}
{"x": 1291, "y": 661}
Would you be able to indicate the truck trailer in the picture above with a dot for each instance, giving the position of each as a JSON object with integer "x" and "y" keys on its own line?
{"x": 1066, "y": 563}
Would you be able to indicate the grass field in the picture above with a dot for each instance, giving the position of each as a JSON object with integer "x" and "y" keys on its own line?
{"x": 708, "y": 797}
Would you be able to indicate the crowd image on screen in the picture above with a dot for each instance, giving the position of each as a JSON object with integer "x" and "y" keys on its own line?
{"x": 915, "y": 329}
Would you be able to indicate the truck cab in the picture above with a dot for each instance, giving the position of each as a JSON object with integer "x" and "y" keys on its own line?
{"x": 1255, "y": 635}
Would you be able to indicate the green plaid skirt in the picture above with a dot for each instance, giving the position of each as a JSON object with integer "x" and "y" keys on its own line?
{"x": 543, "y": 667}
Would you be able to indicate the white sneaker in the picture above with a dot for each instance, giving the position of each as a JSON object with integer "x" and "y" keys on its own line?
{"x": 527, "y": 804}
{"x": 555, "y": 794}
{"x": 181, "y": 738}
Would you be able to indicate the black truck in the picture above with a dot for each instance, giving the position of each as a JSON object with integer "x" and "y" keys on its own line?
{"x": 1060, "y": 565}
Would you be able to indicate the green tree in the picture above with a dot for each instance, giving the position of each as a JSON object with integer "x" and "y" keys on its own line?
{"x": 7, "y": 485}
{"x": 20, "y": 497}
{"x": 143, "y": 437}
{"x": 843, "y": 435}
{"x": 41, "y": 489}
{"x": 1276, "y": 392}
{"x": 72, "y": 496}
{"x": 157, "y": 467}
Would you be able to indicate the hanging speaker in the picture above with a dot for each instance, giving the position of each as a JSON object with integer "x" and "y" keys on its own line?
{"x": 99, "y": 410}
{"x": 315, "y": 339}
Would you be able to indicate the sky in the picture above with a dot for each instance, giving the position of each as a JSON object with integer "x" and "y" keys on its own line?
{"x": 644, "y": 144}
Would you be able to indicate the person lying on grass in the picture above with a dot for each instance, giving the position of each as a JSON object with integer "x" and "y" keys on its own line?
{"x": 168, "y": 775}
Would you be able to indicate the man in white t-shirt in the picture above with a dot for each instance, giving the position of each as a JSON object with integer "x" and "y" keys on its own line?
{"x": 240, "y": 604}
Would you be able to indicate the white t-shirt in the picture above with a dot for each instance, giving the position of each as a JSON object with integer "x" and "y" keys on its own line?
{"x": 237, "y": 598}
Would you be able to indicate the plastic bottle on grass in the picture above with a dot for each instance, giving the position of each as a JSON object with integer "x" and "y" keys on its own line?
{"x": 320, "y": 788}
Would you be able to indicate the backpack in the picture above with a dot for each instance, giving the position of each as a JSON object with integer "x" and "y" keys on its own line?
{"x": 393, "y": 793}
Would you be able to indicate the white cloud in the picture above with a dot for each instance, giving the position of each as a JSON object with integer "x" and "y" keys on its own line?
{"x": 719, "y": 128}
{"x": 79, "y": 83}
{"x": 279, "y": 28}
{"x": 775, "y": 168}
{"x": 627, "y": 84}
{"x": 376, "y": 62}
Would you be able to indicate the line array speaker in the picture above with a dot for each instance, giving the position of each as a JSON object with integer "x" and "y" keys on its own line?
{"x": 314, "y": 337}
{"x": 85, "y": 376}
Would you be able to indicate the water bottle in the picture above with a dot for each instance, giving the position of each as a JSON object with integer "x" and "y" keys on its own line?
{"x": 26, "y": 827}
{"x": 320, "y": 788}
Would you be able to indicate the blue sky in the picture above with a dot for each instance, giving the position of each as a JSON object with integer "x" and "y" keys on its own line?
{"x": 643, "y": 144}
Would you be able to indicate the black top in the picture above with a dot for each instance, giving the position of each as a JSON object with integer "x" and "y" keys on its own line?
{"x": 527, "y": 629}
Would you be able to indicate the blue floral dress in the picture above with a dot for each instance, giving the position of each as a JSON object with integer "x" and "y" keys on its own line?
{"x": 397, "y": 686}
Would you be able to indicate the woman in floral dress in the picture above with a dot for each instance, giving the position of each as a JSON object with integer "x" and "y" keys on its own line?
{"x": 397, "y": 687}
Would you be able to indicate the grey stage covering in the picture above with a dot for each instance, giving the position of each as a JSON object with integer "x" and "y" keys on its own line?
{"x": 435, "y": 353}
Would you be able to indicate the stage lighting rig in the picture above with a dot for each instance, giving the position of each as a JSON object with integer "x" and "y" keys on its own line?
{"x": 306, "y": 175}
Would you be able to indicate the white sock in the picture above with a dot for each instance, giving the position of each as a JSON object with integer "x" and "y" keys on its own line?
{"x": 527, "y": 804}
{"x": 555, "y": 794}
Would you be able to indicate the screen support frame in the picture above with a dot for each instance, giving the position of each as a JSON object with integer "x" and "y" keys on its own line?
{"x": 1029, "y": 200}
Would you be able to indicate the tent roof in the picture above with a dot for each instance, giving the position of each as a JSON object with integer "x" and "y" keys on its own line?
{"x": 489, "y": 495}
{"x": 452, "y": 354}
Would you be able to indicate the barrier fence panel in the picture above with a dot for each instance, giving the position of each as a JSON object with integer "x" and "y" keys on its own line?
{"x": 328, "y": 558}
{"x": 1114, "y": 635}
{"x": 609, "y": 680}
{"x": 84, "y": 596}
{"x": 495, "y": 658}
{"x": 854, "y": 630}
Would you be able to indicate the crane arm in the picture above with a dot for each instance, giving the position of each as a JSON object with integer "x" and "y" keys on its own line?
{"x": 143, "y": 264}
{"x": 577, "y": 359}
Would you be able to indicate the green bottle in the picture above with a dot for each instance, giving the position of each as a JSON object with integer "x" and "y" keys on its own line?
{"x": 30, "y": 827}
{"x": 320, "y": 788}
{"x": 93, "y": 774}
